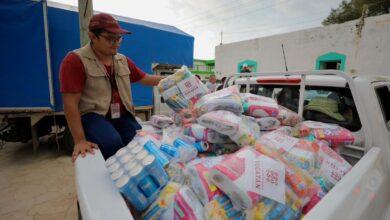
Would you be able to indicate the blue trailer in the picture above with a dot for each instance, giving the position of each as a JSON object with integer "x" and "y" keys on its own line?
{"x": 37, "y": 35}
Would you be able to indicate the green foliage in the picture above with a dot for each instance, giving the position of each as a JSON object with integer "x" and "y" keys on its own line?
{"x": 353, "y": 9}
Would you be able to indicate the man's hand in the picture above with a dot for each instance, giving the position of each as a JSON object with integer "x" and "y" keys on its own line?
{"x": 82, "y": 148}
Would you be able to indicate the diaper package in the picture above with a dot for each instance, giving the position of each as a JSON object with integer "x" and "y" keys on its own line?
{"x": 259, "y": 106}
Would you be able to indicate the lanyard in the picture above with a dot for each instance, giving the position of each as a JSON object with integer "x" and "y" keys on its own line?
{"x": 111, "y": 76}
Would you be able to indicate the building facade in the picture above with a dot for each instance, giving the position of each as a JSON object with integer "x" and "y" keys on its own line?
{"x": 356, "y": 47}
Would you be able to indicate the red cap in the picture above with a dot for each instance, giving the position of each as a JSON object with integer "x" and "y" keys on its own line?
{"x": 106, "y": 22}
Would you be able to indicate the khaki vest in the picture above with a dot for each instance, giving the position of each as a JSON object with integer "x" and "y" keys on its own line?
{"x": 96, "y": 96}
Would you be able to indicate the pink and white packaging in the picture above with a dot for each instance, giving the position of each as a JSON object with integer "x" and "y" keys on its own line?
{"x": 187, "y": 205}
{"x": 332, "y": 166}
{"x": 247, "y": 175}
{"x": 259, "y": 106}
{"x": 199, "y": 177}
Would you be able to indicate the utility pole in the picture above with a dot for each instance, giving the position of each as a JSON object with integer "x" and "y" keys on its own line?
{"x": 221, "y": 38}
{"x": 85, "y": 14}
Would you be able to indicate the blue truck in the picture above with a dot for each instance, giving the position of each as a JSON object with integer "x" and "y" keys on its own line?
{"x": 36, "y": 35}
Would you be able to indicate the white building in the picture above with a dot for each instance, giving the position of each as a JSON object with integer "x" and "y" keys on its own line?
{"x": 356, "y": 47}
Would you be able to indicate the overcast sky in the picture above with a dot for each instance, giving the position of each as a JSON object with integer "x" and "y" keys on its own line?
{"x": 237, "y": 19}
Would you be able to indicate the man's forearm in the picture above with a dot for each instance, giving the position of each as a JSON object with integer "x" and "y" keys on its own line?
{"x": 73, "y": 118}
{"x": 151, "y": 80}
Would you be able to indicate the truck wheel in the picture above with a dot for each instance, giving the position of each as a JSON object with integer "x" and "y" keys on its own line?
{"x": 68, "y": 141}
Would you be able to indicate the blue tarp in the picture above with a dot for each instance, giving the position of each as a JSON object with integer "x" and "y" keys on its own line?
{"x": 149, "y": 43}
{"x": 23, "y": 62}
{"x": 23, "y": 67}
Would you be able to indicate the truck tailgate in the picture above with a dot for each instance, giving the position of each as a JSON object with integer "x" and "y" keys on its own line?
{"x": 364, "y": 193}
{"x": 97, "y": 195}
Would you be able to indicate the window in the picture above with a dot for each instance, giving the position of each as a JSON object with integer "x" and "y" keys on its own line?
{"x": 325, "y": 104}
{"x": 331, "y": 60}
{"x": 383, "y": 93}
{"x": 330, "y": 65}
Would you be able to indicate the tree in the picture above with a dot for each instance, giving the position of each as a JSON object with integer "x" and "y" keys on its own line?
{"x": 353, "y": 9}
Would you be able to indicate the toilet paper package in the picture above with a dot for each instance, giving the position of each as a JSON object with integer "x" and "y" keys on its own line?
{"x": 186, "y": 205}
{"x": 259, "y": 106}
{"x": 247, "y": 175}
{"x": 198, "y": 174}
{"x": 227, "y": 99}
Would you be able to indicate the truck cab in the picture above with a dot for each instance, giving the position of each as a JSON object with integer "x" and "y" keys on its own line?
{"x": 360, "y": 104}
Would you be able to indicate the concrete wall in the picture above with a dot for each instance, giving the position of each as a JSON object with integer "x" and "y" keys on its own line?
{"x": 367, "y": 50}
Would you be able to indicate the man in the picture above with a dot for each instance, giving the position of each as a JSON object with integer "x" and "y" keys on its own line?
{"x": 212, "y": 84}
{"x": 95, "y": 86}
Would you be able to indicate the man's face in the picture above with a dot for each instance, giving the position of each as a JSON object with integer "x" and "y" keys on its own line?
{"x": 107, "y": 43}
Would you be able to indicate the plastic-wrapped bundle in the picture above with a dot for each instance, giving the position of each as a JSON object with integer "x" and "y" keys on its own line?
{"x": 247, "y": 175}
{"x": 300, "y": 181}
{"x": 163, "y": 202}
{"x": 201, "y": 133}
{"x": 227, "y": 99}
{"x": 198, "y": 174}
{"x": 226, "y": 148}
{"x": 269, "y": 209}
{"x": 259, "y": 106}
{"x": 300, "y": 152}
{"x": 242, "y": 131}
{"x": 221, "y": 208}
{"x": 186, "y": 205}
{"x": 161, "y": 121}
{"x": 331, "y": 167}
{"x": 248, "y": 132}
{"x": 268, "y": 123}
{"x": 181, "y": 89}
{"x": 288, "y": 117}
{"x": 335, "y": 135}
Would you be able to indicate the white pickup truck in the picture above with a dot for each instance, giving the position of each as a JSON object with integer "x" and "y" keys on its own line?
{"x": 364, "y": 103}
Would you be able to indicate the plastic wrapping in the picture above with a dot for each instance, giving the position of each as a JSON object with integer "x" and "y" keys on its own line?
{"x": 268, "y": 123}
{"x": 198, "y": 173}
{"x": 163, "y": 202}
{"x": 247, "y": 175}
{"x": 331, "y": 167}
{"x": 259, "y": 106}
{"x": 161, "y": 121}
{"x": 187, "y": 205}
{"x": 227, "y": 99}
{"x": 335, "y": 135}
{"x": 300, "y": 152}
{"x": 221, "y": 208}
{"x": 242, "y": 131}
{"x": 181, "y": 89}
{"x": 201, "y": 133}
{"x": 288, "y": 117}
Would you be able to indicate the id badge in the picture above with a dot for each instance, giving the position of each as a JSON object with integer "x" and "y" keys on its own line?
{"x": 115, "y": 111}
